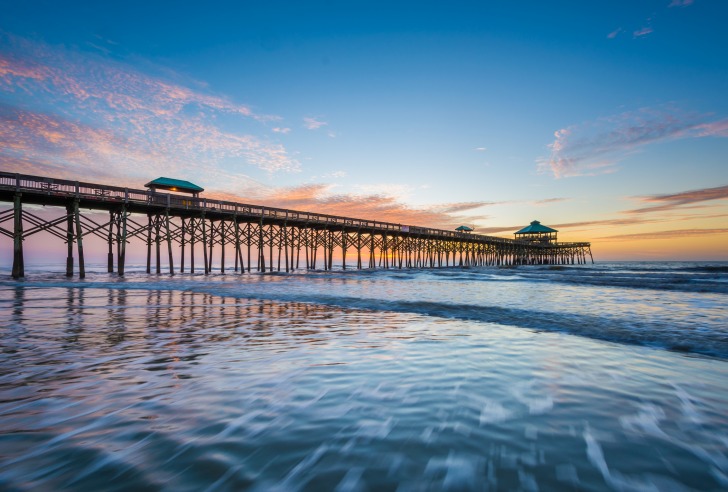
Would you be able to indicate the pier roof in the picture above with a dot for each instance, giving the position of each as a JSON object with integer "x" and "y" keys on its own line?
{"x": 463, "y": 228}
{"x": 535, "y": 227}
{"x": 174, "y": 185}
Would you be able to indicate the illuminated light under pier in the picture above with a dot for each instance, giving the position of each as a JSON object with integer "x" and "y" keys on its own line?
{"x": 260, "y": 238}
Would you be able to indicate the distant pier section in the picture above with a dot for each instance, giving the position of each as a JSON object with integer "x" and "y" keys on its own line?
{"x": 184, "y": 227}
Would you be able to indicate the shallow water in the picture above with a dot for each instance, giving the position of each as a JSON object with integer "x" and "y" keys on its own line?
{"x": 414, "y": 380}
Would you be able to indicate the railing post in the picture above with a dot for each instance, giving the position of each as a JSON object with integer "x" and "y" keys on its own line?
{"x": 78, "y": 192}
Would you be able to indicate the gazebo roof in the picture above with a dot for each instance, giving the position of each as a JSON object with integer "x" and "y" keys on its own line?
{"x": 174, "y": 185}
{"x": 535, "y": 228}
{"x": 463, "y": 228}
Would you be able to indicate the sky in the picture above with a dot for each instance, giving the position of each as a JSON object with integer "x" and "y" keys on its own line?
{"x": 607, "y": 120}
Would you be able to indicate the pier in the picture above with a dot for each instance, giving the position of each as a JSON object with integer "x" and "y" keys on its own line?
{"x": 254, "y": 237}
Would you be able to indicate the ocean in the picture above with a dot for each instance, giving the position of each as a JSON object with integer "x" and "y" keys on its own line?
{"x": 611, "y": 376}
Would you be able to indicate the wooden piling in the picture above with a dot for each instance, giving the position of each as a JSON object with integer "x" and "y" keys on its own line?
{"x": 18, "y": 261}
{"x": 122, "y": 255}
{"x": 79, "y": 241}
{"x": 69, "y": 239}
{"x": 110, "y": 256}
{"x": 169, "y": 241}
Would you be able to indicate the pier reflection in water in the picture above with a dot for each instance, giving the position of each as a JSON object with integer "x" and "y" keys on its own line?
{"x": 137, "y": 389}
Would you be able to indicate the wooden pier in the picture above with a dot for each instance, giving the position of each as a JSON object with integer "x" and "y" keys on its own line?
{"x": 258, "y": 238}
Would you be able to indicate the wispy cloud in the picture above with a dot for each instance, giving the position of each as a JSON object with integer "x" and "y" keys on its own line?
{"x": 547, "y": 201}
{"x": 644, "y": 31}
{"x": 667, "y": 202}
{"x": 279, "y": 129}
{"x": 672, "y": 234}
{"x": 86, "y": 113}
{"x": 596, "y": 147}
{"x": 451, "y": 208}
{"x": 681, "y": 3}
{"x": 481, "y": 149}
{"x": 614, "y": 33}
{"x": 311, "y": 123}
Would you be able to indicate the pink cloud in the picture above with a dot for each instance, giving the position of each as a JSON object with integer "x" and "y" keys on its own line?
{"x": 668, "y": 202}
{"x": 313, "y": 123}
{"x": 130, "y": 116}
{"x": 596, "y": 147}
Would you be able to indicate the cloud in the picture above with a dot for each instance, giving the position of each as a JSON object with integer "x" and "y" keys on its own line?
{"x": 673, "y": 234}
{"x": 481, "y": 149}
{"x": 372, "y": 206}
{"x": 385, "y": 205}
{"x": 596, "y": 147}
{"x": 671, "y": 201}
{"x": 283, "y": 130}
{"x": 681, "y": 3}
{"x": 546, "y": 201}
{"x": 642, "y": 32}
{"x": 614, "y": 33}
{"x": 313, "y": 123}
{"x": 450, "y": 208}
{"x": 89, "y": 113}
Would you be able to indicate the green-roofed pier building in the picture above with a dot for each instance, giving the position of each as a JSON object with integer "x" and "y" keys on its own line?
{"x": 536, "y": 232}
{"x": 176, "y": 185}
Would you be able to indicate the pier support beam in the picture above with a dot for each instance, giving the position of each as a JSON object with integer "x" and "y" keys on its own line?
{"x": 110, "y": 256}
{"x": 122, "y": 254}
{"x": 169, "y": 241}
{"x": 149, "y": 244}
{"x": 69, "y": 239}
{"x": 18, "y": 262}
{"x": 79, "y": 240}
{"x": 204, "y": 243}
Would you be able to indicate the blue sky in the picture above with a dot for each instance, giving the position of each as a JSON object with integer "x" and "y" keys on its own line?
{"x": 580, "y": 114}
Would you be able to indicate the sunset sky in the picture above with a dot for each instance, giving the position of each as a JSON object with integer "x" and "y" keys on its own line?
{"x": 607, "y": 120}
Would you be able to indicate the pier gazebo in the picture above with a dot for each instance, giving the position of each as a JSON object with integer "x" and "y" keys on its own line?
{"x": 178, "y": 185}
{"x": 536, "y": 232}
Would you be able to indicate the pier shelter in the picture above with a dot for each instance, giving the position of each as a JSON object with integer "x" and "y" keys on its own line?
{"x": 177, "y": 185}
{"x": 536, "y": 232}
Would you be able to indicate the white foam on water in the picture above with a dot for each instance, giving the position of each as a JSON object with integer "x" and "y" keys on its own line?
{"x": 493, "y": 413}
{"x": 646, "y": 421}
{"x": 537, "y": 405}
{"x": 614, "y": 479}
{"x": 689, "y": 410}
